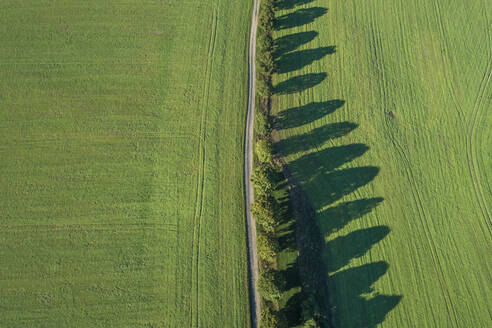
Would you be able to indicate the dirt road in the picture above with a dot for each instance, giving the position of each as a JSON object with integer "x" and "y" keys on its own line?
{"x": 248, "y": 164}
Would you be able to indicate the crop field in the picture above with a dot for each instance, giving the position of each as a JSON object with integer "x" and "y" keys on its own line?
{"x": 383, "y": 110}
{"x": 121, "y": 163}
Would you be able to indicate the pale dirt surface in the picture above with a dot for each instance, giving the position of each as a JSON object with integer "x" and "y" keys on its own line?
{"x": 248, "y": 165}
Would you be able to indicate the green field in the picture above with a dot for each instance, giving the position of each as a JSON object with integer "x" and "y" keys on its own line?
{"x": 384, "y": 116}
{"x": 121, "y": 163}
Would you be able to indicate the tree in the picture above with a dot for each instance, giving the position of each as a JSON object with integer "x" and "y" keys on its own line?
{"x": 311, "y": 312}
{"x": 263, "y": 125}
{"x": 262, "y": 180}
{"x": 267, "y": 246}
{"x": 264, "y": 210}
{"x": 264, "y": 42}
{"x": 266, "y": 15}
{"x": 311, "y": 323}
{"x": 270, "y": 285}
{"x": 264, "y": 86}
{"x": 269, "y": 318}
{"x": 264, "y": 150}
{"x": 265, "y": 63}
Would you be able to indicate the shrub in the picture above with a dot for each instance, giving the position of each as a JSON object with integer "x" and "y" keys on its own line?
{"x": 263, "y": 125}
{"x": 263, "y": 210}
{"x": 264, "y": 86}
{"x": 266, "y": 15}
{"x": 264, "y": 150}
{"x": 264, "y": 42}
{"x": 311, "y": 323}
{"x": 265, "y": 20}
{"x": 270, "y": 286}
{"x": 269, "y": 318}
{"x": 311, "y": 312}
{"x": 265, "y": 63}
{"x": 262, "y": 180}
{"x": 267, "y": 246}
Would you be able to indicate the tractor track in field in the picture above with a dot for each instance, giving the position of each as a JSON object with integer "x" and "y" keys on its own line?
{"x": 423, "y": 217}
{"x": 195, "y": 305}
{"x": 248, "y": 165}
{"x": 416, "y": 194}
{"x": 470, "y": 151}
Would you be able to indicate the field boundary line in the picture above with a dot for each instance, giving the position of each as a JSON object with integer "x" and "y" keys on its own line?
{"x": 197, "y": 219}
{"x": 248, "y": 164}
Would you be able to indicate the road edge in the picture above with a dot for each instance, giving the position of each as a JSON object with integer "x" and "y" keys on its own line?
{"x": 248, "y": 166}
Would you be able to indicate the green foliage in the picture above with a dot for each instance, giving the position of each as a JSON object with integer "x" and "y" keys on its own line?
{"x": 264, "y": 42}
{"x": 269, "y": 318}
{"x": 264, "y": 150}
{"x": 311, "y": 323}
{"x": 267, "y": 246}
{"x": 263, "y": 124}
{"x": 262, "y": 180}
{"x": 264, "y": 211}
{"x": 311, "y": 312}
{"x": 270, "y": 286}
{"x": 264, "y": 63}
{"x": 264, "y": 86}
{"x": 265, "y": 49}
{"x": 265, "y": 20}
{"x": 266, "y": 16}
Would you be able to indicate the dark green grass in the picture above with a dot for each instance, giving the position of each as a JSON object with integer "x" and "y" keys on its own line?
{"x": 287, "y": 264}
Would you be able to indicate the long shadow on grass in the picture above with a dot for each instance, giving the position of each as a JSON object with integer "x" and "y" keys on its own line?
{"x": 293, "y": 41}
{"x": 323, "y": 268}
{"x": 296, "y": 60}
{"x": 319, "y": 173}
{"x": 298, "y": 116}
{"x": 338, "y": 156}
{"x": 298, "y": 18}
{"x": 315, "y": 138}
{"x": 337, "y": 217}
{"x": 356, "y": 281}
{"x": 290, "y": 4}
{"x": 299, "y": 83}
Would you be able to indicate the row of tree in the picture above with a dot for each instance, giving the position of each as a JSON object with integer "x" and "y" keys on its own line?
{"x": 265, "y": 208}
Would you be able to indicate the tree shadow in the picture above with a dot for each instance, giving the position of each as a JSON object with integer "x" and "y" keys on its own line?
{"x": 289, "y": 4}
{"x": 286, "y": 237}
{"x": 293, "y": 41}
{"x": 341, "y": 250}
{"x": 296, "y": 60}
{"x": 355, "y": 282}
{"x": 321, "y": 175}
{"x": 290, "y": 276}
{"x": 292, "y": 310}
{"x": 298, "y": 116}
{"x": 298, "y": 18}
{"x": 299, "y": 83}
{"x": 340, "y": 183}
{"x": 336, "y": 217}
{"x": 315, "y": 138}
{"x": 331, "y": 158}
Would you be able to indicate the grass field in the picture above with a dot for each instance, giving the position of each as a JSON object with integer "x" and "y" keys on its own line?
{"x": 121, "y": 177}
{"x": 384, "y": 116}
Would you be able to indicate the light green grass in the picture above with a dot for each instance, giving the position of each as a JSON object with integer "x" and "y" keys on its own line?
{"x": 399, "y": 173}
{"x": 121, "y": 193}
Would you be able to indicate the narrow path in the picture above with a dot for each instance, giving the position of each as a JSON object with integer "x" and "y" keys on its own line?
{"x": 248, "y": 165}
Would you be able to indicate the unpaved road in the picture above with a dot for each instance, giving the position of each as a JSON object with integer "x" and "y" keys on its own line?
{"x": 248, "y": 165}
